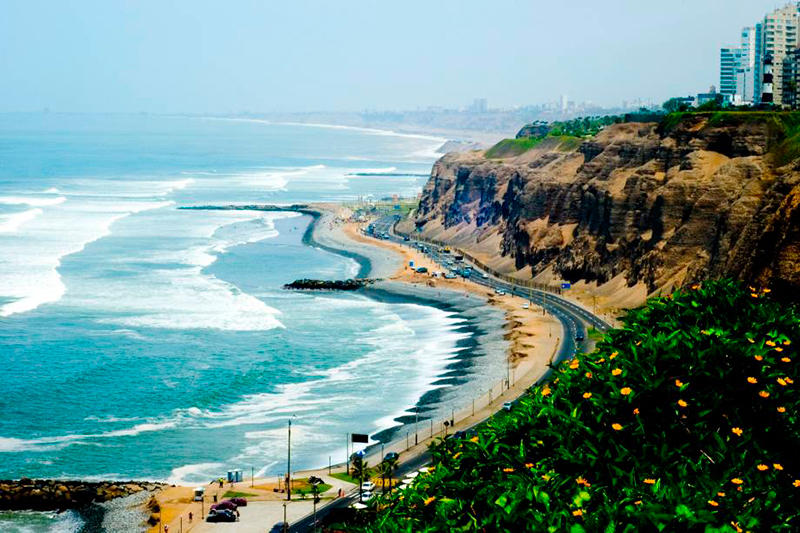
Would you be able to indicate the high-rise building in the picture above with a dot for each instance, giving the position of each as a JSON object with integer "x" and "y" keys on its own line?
{"x": 776, "y": 38}
{"x": 730, "y": 61}
{"x": 737, "y": 69}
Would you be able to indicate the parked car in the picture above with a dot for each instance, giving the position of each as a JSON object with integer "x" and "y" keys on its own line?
{"x": 391, "y": 456}
{"x": 484, "y": 275}
{"x": 450, "y": 275}
{"x": 579, "y": 336}
{"x": 226, "y": 505}
{"x": 406, "y": 238}
{"x": 368, "y": 486}
{"x": 422, "y": 270}
{"x": 221, "y": 515}
{"x": 366, "y": 495}
{"x": 526, "y": 305}
{"x": 507, "y": 406}
{"x": 240, "y": 502}
{"x": 280, "y": 527}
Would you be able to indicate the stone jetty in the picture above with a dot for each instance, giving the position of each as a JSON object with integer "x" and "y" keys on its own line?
{"x": 53, "y": 495}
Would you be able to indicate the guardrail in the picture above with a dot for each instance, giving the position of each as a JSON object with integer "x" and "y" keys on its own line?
{"x": 530, "y": 284}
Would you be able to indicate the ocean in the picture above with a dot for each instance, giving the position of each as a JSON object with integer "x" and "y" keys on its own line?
{"x": 140, "y": 341}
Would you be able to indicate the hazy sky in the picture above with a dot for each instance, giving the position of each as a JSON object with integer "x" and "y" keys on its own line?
{"x": 264, "y": 55}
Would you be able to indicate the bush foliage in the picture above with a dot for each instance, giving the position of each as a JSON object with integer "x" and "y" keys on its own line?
{"x": 685, "y": 419}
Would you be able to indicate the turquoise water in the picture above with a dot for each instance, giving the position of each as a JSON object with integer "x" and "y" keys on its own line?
{"x": 141, "y": 341}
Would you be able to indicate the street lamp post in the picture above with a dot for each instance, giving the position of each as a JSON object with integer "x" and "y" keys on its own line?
{"x": 416, "y": 428}
{"x": 289, "y": 468}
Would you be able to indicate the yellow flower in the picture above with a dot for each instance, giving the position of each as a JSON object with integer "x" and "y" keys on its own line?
{"x": 781, "y": 382}
{"x": 574, "y": 364}
{"x": 508, "y": 470}
{"x": 601, "y": 360}
{"x": 474, "y": 439}
{"x": 752, "y": 380}
{"x": 616, "y": 372}
{"x": 786, "y": 360}
{"x": 777, "y": 466}
{"x": 616, "y": 426}
{"x": 625, "y": 391}
{"x": 713, "y": 503}
{"x": 638, "y": 343}
{"x": 736, "y": 527}
{"x": 770, "y": 343}
{"x": 546, "y": 477}
{"x": 787, "y": 342}
{"x": 430, "y": 500}
{"x": 762, "y": 467}
{"x": 637, "y": 502}
{"x": 721, "y": 494}
{"x": 738, "y": 431}
{"x": 580, "y": 481}
{"x": 751, "y": 340}
{"x": 781, "y": 409}
{"x": 678, "y": 383}
{"x": 789, "y": 380}
{"x": 613, "y": 355}
{"x": 577, "y": 513}
{"x": 528, "y": 465}
{"x": 765, "y": 291}
{"x": 636, "y": 411}
{"x": 778, "y": 349}
{"x": 754, "y": 295}
{"x": 456, "y": 456}
{"x": 682, "y": 403}
{"x": 796, "y": 483}
{"x": 764, "y": 394}
{"x": 589, "y": 375}
{"x": 587, "y": 395}
{"x": 737, "y": 481}
{"x": 650, "y": 481}
{"x": 759, "y": 358}
{"x": 546, "y": 391}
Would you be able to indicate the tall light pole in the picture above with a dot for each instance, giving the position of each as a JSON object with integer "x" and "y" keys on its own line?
{"x": 416, "y": 427}
{"x": 289, "y": 468}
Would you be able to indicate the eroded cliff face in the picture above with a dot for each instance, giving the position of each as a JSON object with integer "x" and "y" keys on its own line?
{"x": 654, "y": 209}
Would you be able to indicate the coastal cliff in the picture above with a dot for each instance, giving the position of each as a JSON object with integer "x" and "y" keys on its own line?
{"x": 638, "y": 209}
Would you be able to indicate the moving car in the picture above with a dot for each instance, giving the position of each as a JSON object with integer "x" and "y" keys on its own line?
{"x": 450, "y": 275}
{"x": 507, "y": 406}
{"x": 526, "y": 305}
{"x": 422, "y": 270}
{"x": 366, "y": 495}
{"x": 221, "y": 515}
{"x": 240, "y": 502}
{"x": 579, "y": 336}
{"x": 484, "y": 275}
{"x": 406, "y": 238}
{"x": 225, "y": 505}
{"x": 368, "y": 486}
{"x": 391, "y": 456}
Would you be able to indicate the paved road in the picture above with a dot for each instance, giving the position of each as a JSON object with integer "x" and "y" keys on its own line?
{"x": 572, "y": 317}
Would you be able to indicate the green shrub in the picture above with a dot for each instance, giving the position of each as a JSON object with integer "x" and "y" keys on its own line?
{"x": 685, "y": 419}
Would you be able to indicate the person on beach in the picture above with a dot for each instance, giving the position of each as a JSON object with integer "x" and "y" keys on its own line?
{"x": 190, "y": 517}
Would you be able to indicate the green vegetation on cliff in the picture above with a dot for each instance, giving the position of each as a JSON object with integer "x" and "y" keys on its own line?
{"x": 567, "y": 134}
{"x": 685, "y": 419}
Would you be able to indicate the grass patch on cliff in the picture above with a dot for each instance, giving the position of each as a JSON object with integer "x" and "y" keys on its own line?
{"x": 512, "y": 148}
{"x": 685, "y": 419}
{"x": 508, "y": 148}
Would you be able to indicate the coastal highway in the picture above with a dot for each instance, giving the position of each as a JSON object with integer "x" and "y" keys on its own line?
{"x": 572, "y": 317}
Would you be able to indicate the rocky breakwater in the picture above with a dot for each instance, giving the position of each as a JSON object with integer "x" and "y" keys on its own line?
{"x": 329, "y": 285}
{"x": 52, "y": 495}
{"x": 641, "y": 206}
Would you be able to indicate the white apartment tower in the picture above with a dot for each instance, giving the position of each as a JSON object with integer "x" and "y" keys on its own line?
{"x": 776, "y": 38}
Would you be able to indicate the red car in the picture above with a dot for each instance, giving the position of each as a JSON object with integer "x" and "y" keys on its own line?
{"x": 241, "y": 502}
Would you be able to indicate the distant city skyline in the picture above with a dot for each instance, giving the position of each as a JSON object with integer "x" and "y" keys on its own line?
{"x": 196, "y": 57}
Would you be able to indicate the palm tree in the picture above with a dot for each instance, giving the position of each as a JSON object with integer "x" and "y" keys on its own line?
{"x": 360, "y": 470}
{"x": 388, "y": 466}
